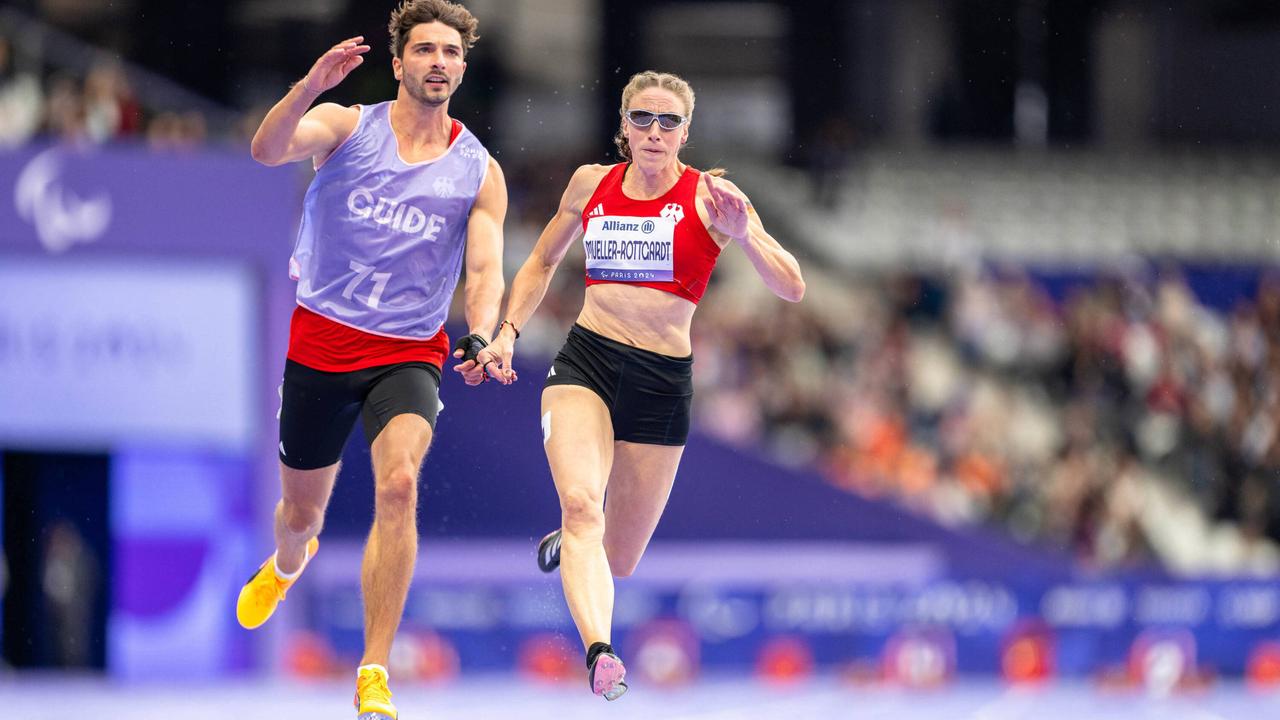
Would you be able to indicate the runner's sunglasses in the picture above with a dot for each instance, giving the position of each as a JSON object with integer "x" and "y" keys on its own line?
{"x": 645, "y": 118}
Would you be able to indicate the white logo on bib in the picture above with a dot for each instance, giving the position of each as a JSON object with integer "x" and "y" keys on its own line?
{"x": 443, "y": 186}
{"x": 673, "y": 212}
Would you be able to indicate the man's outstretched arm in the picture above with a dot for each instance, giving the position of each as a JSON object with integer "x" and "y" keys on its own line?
{"x": 289, "y": 132}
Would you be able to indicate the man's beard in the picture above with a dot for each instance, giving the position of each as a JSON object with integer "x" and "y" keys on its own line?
{"x": 418, "y": 91}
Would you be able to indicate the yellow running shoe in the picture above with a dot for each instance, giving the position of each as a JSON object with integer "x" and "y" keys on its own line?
{"x": 264, "y": 591}
{"x": 373, "y": 699}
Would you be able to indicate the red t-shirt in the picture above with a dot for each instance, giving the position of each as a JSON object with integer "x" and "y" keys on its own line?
{"x": 324, "y": 344}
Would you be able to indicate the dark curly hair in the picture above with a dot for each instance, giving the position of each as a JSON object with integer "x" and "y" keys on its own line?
{"x": 417, "y": 12}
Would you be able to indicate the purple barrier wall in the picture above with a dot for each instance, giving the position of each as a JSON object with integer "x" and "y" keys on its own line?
{"x": 856, "y": 607}
{"x": 146, "y": 315}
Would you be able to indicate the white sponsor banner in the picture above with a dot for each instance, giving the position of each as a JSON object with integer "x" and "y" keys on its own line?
{"x": 95, "y": 353}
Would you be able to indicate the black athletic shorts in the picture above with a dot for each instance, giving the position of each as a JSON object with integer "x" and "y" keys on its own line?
{"x": 317, "y": 408}
{"x": 648, "y": 394}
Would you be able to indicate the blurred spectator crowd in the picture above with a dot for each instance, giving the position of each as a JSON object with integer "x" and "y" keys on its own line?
{"x": 97, "y": 107}
{"x": 1126, "y": 422}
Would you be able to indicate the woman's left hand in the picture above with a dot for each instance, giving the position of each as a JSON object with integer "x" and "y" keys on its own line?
{"x": 726, "y": 207}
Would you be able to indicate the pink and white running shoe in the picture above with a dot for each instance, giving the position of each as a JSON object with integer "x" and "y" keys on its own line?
{"x": 608, "y": 676}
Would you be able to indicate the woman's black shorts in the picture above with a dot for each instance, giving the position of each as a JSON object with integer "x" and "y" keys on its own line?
{"x": 317, "y": 408}
{"x": 648, "y": 394}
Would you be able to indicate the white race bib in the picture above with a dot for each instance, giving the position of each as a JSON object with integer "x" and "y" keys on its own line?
{"x": 630, "y": 249}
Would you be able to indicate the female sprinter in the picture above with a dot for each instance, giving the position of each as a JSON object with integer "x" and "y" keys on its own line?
{"x": 615, "y": 407}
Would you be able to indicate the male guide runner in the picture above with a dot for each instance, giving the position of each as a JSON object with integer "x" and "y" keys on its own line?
{"x": 403, "y": 196}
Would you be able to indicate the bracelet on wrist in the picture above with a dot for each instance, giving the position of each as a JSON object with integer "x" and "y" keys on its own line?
{"x": 514, "y": 329}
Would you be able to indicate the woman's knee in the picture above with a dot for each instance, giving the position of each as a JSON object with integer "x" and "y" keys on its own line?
{"x": 582, "y": 510}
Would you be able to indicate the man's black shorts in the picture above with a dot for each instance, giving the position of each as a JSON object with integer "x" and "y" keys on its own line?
{"x": 317, "y": 408}
{"x": 648, "y": 394}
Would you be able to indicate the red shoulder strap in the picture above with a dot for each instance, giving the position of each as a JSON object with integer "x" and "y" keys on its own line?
{"x": 611, "y": 179}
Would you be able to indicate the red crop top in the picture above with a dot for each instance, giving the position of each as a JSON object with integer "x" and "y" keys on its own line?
{"x": 659, "y": 243}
